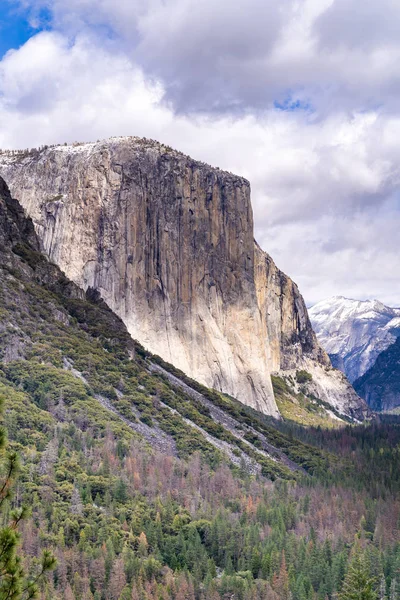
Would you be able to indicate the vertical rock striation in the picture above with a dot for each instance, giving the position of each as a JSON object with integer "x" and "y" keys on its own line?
{"x": 285, "y": 317}
{"x": 292, "y": 343}
{"x": 168, "y": 242}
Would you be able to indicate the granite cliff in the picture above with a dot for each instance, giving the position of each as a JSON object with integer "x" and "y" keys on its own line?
{"x": 168, "y": 243}
{"x": 67, "y": 362}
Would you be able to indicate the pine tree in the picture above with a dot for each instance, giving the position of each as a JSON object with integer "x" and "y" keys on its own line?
{"x": 117, "y": 580}
{"x": 382, "y": 588}
{"x": 13, "y": 583}
{"x": 393, "y": 594}
{"x": 358, "y": 583}
{"x": 281, "y": 581}
{"x": 143, "y": 545}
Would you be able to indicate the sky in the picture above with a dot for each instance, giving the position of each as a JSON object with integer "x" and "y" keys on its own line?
{"x": 299, "y": 96}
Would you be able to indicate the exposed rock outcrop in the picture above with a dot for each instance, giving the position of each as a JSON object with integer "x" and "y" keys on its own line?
{"x": 168, "y": 242}
{"x": 293, "y": 345}
{"x": 14, "y": 227}
{"x": 285, "y": 317}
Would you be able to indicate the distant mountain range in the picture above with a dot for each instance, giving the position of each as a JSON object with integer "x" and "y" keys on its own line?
{"x": 380, "y": 386}
{"x": 361, "y": 338}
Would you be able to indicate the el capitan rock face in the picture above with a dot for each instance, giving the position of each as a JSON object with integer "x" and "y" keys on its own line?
{"x": 168, "y": 242}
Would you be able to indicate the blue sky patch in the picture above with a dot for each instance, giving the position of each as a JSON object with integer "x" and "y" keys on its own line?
{"x": 291, "y": 105}
{"x": 15, "y": 28}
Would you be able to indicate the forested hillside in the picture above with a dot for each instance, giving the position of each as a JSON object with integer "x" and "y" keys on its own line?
{"x": 145, "y": 485}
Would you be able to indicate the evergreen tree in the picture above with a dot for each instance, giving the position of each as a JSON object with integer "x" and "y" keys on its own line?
{"x": 393, "y": 594}
{"x": 281, "y": 581}
{"x": 13, "y": 583}
{"x": 358, "y": 583}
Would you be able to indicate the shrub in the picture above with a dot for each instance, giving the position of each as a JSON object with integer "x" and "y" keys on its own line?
{"x": 303, "y": 376}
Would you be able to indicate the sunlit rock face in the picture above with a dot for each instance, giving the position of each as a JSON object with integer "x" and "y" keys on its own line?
{"x": 168, "y": 242}
{"x": 292, "y": 343}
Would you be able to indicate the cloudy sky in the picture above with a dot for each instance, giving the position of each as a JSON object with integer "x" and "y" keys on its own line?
{"x": 299, "y": 96}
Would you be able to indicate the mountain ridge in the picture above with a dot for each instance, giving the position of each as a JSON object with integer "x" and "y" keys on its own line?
{"x": 354, "y": 332}
{"x": 380, "y": 384}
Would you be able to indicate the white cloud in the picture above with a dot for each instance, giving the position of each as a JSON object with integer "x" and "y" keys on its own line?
{"x": 325, "y": 183}
{"x": 54, "y": 91}
{"x": 225, "y": 56}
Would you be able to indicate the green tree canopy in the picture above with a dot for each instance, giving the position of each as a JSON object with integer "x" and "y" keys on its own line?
{"x": 14, "y": 584}
{"x": 358, "y": 583}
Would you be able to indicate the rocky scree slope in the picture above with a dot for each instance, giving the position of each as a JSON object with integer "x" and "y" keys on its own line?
{"x": 354, "y": 332}
{"x": 168, "y": 243}
{"x": 66, "y": 358}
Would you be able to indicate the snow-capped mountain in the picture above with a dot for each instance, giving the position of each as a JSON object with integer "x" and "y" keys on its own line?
{"x": 380, "y": 385}
{"x": 354, "y": 332}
